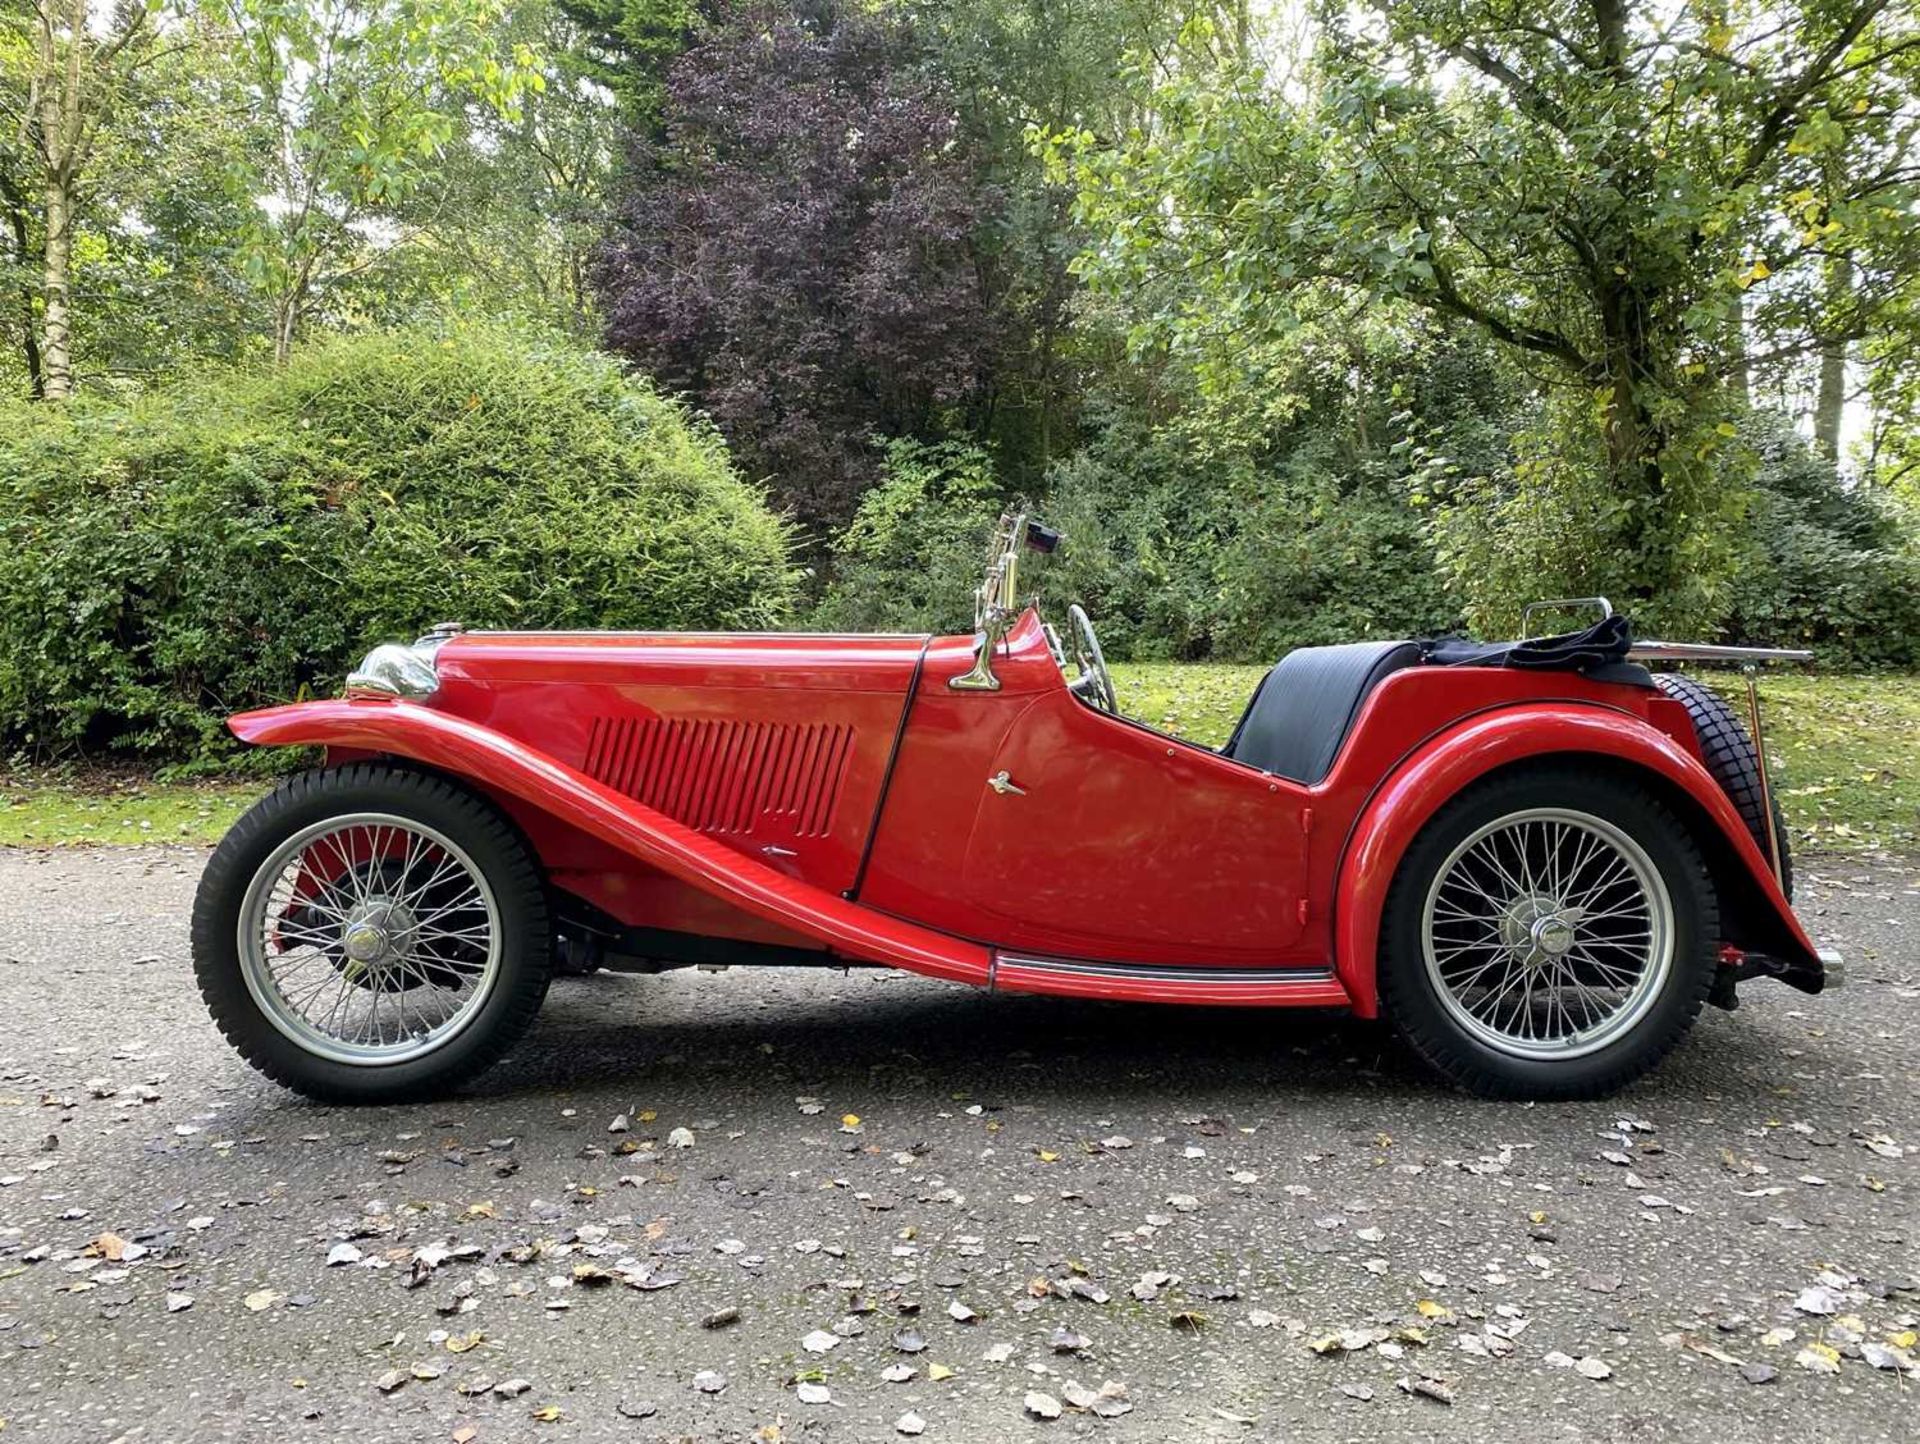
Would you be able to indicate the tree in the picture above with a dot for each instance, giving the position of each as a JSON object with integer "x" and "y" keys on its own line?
{"x": 797, "y": 254}
{"x": 518, "y": 200}
{"x": 628, "y": 46}
{"x": 78, "y": 65}
{"x": 1601, "y": 186}
{"x": 355, "y": 100}
{"x": 1017, "y": 67}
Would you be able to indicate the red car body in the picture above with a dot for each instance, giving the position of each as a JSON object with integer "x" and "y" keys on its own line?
{"x": 836, "y": 798}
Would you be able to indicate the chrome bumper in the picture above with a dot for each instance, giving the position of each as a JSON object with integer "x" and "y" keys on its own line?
{"x": 1833, "y": 969}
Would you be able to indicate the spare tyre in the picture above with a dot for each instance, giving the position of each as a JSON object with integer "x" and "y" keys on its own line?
{"x": 1734, "y": 763}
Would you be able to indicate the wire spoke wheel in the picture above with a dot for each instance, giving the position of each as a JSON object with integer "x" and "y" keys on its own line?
{"x": 1548, "y": 933}
{"x": 370, "y": 939}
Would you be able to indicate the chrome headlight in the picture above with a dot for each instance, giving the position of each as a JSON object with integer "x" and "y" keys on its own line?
{"x": 396, "y": 669}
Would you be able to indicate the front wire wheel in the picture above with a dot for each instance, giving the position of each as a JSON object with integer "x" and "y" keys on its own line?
{"x": 371, "y": 933}
{"x": 370, "y": 939}
{"x": 1550, "y": 934}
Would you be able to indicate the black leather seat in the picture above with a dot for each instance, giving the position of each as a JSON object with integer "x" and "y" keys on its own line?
{"x": 1303, "y": 709}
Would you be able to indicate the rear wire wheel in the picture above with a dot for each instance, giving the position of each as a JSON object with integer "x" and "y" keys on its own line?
{"x": 1550, "y": 934}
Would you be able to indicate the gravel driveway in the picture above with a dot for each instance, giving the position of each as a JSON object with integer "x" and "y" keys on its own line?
{"x": 906, "y": 1204}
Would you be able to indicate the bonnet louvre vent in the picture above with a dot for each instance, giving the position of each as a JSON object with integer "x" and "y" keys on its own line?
{"x": 726, "y": 777}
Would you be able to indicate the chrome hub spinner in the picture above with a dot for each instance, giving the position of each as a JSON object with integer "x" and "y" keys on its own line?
{"x": 378, "y": 934}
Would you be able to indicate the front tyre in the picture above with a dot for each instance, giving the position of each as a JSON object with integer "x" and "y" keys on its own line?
{"x": 1550, "y": 934}
{"x": 370, "y": 934}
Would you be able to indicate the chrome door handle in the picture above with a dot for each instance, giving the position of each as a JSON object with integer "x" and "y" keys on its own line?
{"x": 1003, "y": 784}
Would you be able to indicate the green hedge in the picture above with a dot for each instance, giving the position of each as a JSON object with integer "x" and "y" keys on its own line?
{"x": 239, "y": 541}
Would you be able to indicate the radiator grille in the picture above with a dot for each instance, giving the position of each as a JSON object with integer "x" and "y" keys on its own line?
{"x": 726, "y": 777}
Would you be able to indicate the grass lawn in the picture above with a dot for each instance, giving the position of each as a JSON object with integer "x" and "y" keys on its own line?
{"x": 1846, "y": 749}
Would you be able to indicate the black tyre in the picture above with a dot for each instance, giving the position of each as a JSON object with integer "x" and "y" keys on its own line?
{"x": 1734, "y": 763}
{"x": 370, "y": 934}
{"x": 1550, "y": 934}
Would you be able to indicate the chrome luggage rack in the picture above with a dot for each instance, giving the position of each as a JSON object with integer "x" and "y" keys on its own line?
{"x": 1749, "y": 660}
{"x": 1651, "y": 651}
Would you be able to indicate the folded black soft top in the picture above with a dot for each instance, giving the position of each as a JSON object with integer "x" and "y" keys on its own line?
{"x": 1603, "y": 645}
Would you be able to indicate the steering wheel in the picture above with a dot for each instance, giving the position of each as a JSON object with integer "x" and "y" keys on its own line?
{"x": 1094, "y": 685}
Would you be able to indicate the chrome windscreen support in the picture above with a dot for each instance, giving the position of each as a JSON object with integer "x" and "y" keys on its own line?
{"x": 979, "y": 677}
{"x": 994, "y": 604}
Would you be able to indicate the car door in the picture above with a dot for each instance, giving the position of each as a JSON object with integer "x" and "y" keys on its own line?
{"x": 1097, "y": 838}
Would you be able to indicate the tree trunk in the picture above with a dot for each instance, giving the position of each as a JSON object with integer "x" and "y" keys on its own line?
{"x": 63, "y": 70}
{"x": 287, "y": 309}
{"x": 1634, "y": 444}
{"x": 1830, "y": 404}
{"x": 56, "y": 321}
{"x": 1738, "y": 377}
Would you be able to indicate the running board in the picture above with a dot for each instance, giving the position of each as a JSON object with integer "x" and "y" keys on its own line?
{"x": 1147, "y": 983}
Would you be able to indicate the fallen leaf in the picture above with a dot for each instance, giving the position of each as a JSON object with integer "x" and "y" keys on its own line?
{"x": 1819, "y": 1358}
{"x": 1426, "y": 1388}
{"x": 1818, "y": 1299}
{"x": 1042, "y": 1406}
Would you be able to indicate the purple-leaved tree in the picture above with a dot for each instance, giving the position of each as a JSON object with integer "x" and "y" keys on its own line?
{"x": 798, "y": 254}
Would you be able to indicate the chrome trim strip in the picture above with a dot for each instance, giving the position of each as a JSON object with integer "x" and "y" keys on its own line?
{"x": 1651, "y": 651}
{"x": 1161, "y": 973}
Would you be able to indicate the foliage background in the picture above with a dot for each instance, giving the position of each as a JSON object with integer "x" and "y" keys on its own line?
{"x": 1305, "y": 322}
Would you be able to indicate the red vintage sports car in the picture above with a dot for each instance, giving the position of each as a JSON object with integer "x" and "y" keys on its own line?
{"x": 1536, "y": 859}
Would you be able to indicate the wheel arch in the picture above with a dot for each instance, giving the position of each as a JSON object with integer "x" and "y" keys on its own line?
{"x": 481, "y": 758}
{"x": 1754, "y": 913}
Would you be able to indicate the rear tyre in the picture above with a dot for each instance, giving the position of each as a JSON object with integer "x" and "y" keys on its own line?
{"x": 1734, "y": 763}
{"x": 1550, "y": 934}
{"x": 368, "y": 934}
